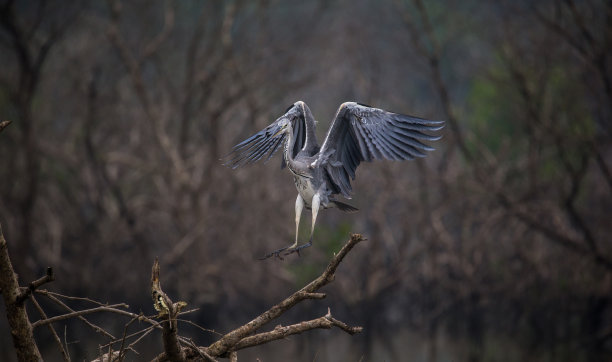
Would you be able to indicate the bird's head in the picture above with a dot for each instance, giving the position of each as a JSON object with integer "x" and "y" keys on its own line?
{"x": 283, "y": 125}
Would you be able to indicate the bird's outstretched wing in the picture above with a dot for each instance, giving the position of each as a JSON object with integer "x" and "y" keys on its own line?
{"x": 266, "y": 142}
{"x": 362, "y": 133}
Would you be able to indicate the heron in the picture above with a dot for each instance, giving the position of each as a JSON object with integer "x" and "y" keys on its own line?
{"x": 357, "y": 133}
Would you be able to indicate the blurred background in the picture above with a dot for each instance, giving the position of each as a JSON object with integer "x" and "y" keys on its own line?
{"x": 496, "y": 247}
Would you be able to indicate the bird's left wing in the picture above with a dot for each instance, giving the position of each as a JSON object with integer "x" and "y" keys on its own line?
{"x": 266, "y": 142}
{"x": 362, "y": 133}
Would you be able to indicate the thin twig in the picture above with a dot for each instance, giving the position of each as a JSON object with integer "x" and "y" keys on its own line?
{"x": 63, "y": 305}
{"x": 49, "y": 277}
{"x": 111, "y": 308}
{"x": 66, "y": 342}
{"x": 68, "y": 297}
{"x": 3, "y": 124}
{"x": 122, "y": 348}
{"x": 51, "y": 329}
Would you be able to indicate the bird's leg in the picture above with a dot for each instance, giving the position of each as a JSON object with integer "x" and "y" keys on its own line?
{"x": 299, "y": 205}
{"x": 316, "y": 203}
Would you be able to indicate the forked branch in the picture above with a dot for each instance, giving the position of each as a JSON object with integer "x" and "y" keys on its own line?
{"x": 230, "y": 340}
{"x": 246, "y": 335}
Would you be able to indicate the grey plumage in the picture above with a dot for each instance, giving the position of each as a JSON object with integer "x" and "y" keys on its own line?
{"x": 358, "y": 133}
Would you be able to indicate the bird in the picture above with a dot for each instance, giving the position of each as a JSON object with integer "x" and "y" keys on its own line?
{"x": 357, "y": 133}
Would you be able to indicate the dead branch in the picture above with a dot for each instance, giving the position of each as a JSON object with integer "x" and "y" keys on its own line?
{"x": 279, "y": 332}
{"x": 108, "y": 357}
{"x": 244, "y": 337}
{"x": 49, "y": 277}
{"x": 176, "y": 348}
{"x": 21, "y": 329}
{"x": 111, "y": 308}
{"x": 3, "y": 124}
{"x": 51, "y": 329}
{"x": 57, "y": 301}
{"x": 168, "y": 311}
{"x": 231, "y": 339}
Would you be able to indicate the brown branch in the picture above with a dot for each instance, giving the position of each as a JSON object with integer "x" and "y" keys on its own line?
{"x": 56, "y": 300}
{"x": 153, "y": 46}
{"x": 108, "y": 357}
{"x": 168, "y": 311}
{"x": 3, "y": 124}
{"x": 194, "y": 352}
{"x": 51, "y": 329}
{"x": 231, "y": 339}
{"x": 280, "y": 332}
{"x": 49, "y": 277}
{"x": 111, "y": 308}
{"x": 21, "y": 329}
{"x": 122, "y": 348}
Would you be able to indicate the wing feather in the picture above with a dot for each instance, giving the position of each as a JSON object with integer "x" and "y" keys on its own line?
{"x": 266, "y": 142}
{"x": 362, "y": 133}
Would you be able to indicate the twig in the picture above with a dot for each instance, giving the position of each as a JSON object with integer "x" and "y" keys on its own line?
{"x": 49, "y": 277}
{"x": 116, "y": 311}
{"x": 144, "y": 333}
{"x": 63, "y": 305}
{"x": 111, "y": 308}
{"x": 3, "y": 124}
{"x": 66, "y": 342}
{"x": 51, "y": 329}
{"x": 107, "y": 357}
{"x": 122, "y": 348}
{"x": 199, "y": 327}
{"x": 280, "y": 332}
{"x": 199, "y": 351}
{"x": 68, "y": 297}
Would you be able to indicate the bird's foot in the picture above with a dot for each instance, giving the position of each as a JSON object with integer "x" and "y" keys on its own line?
{"x": 297, "y": 249}
{"x": 275, "y": 253}
{"x": 288, "y": 250}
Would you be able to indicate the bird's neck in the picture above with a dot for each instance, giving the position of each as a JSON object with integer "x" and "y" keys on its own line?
{"x": 311, "y": 143}
{"x": 289, "y": 146}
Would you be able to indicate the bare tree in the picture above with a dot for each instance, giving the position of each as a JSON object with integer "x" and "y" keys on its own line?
{"x": 175, "y": 346}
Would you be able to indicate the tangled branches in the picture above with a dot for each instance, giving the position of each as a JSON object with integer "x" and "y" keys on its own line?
{"x": 175, "y": 346}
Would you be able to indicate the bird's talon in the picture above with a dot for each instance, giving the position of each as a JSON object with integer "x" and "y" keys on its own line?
{"x": 297, "y": 249}
{"x": 275, "y": 253}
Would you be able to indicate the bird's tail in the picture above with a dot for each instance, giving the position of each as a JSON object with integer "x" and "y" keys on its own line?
{"x": 344, "y": 207}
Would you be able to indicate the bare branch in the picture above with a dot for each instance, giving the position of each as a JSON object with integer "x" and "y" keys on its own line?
{"x": 107, "y": 357}
{"x": 279, "y": 332}
{"x": 51, "y": 329}
{"x": 111, "y": 308}
{"x": 49, "y": 277}
{"x": 21, "y": 329}
{"x": 229, "y": 341}
{"x": 3, "y": 124}
{"x": 54, "y": 299}
{"x": 168, "y": 310}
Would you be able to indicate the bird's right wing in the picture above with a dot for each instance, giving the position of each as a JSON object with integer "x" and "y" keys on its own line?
{"x": 266, "y": 142}
{"x": 362, "y": 133}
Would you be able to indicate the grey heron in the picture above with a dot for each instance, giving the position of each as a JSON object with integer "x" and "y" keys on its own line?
{"x": 357, "y": 133}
